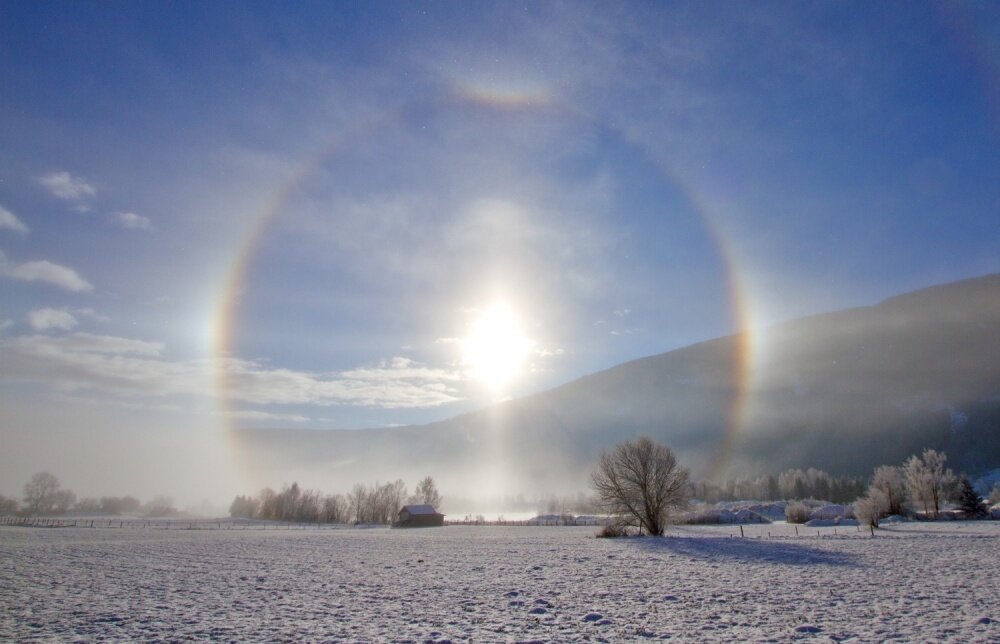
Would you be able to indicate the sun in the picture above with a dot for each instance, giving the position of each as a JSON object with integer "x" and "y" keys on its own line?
{"x": 495, "y": 349}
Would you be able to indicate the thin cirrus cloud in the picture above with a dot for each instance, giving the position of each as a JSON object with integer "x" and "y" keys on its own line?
{"x": 132, "y": 221}
{"x": 9, "y": 221}
{"x": 51, "y": 319}
{"x": 253, "y": 414}
{"x": 63, "y": 185}
{"x": 45, "y": 271}
{"x": 114, "y": 365}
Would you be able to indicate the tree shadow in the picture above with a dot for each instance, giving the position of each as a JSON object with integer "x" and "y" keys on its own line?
{"x": 742, "y": 550}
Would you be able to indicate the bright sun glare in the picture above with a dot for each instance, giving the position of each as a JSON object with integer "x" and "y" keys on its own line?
{"x": 495, "y": 348}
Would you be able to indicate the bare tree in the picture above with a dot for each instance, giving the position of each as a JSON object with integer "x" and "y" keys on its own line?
{"x": 426, "y": 493}
{"x": 40, "y": 493}
{"x": 928, "y": 481}
{"x": 357, "y": 501}
{"x": 335, "y": 509}
{"x": 641, "y": 481}
{"x": 160, "y": 506}
{"x": 62, "y": 501}
{"x": 7, "y": 506}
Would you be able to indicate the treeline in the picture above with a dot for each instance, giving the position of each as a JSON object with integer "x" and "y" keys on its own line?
{"x": 789, "y": 485}
{"x": 921, "y": 485}
{"x": 378, "y": 503}
{"x": 44, "y": 495}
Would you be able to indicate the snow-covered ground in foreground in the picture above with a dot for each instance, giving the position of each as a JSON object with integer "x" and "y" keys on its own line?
{"x": 911, "y": 582}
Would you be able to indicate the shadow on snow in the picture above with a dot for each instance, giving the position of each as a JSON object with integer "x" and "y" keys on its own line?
{"x": 744, "y": 550}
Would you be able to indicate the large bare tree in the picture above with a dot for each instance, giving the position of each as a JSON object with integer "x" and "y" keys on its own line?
{"x": 641, "y": 482}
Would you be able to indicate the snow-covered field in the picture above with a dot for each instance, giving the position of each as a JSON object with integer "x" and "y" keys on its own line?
{"x": 911, "y": 582}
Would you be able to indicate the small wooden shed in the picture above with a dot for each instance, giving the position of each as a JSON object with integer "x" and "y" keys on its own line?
{"x": 419, "y": 516}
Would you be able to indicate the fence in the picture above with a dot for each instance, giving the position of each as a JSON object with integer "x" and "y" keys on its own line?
{"x": 158, "y": 524}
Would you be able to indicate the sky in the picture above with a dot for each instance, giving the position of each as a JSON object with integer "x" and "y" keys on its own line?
{"x": 345, "y": 216}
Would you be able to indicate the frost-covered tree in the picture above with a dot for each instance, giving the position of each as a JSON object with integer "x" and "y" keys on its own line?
{"x": 426, "y": 493}
{"x": 928, "y": 481}
{"x": 793, "y": 484}
{"x": 969, "y": 501}
{"x": 870, "y": 508}
{"x": 995, "y": 494}
{"x": 642, "y": 482}
{"x": 890, "y": 480}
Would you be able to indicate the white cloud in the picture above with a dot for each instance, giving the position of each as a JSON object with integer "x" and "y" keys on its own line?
{"x": 44, "y": 271}
{"x": 65, "y": 186}
{"x": 132, "y": 221}
{"x": 49, "y": 319}
{"x": 396, "y": 383}
{"x": 115, "y": 365}
{"x": 10, "y": 221}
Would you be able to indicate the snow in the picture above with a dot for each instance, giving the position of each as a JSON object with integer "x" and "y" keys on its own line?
{"x": 912, "y": 581}
{"x": 831, "y": 512}
{"x": 420, "y": 509}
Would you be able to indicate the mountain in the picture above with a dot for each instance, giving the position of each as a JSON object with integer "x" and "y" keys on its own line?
{"x": 843, "y": 391}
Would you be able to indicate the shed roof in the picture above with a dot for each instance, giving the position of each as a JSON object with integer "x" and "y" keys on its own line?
{"x": 420, "y": 509}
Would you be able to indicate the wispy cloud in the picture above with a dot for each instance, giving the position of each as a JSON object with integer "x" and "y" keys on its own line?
{"x": 132, "y": 221}
{"x": 395, "y": 383}
{"x": 50, "y": 319}
{"x": 6, "y": 324}
{"x": 249, "y": 414}
{"x": 115, "y": 365}
{"x": 10, "y": 221}
{"x": 92, "y": 314}
{"x": 44, "y": 271}
{"x": 65, "y": 186}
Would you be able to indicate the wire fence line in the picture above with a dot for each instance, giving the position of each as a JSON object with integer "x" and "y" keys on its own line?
{"x": 157, "y": 524}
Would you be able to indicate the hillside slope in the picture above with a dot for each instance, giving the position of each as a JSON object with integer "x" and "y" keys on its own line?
{"x": 843, "y": 391}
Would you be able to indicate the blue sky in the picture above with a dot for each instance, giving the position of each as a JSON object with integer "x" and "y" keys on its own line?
{"x": 603, "y": 176}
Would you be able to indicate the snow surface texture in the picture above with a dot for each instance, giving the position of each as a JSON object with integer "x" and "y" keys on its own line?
{"x": 911, "y": 582}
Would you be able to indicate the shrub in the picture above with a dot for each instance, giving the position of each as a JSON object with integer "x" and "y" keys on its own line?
{"x": 796, "y": 513}
{"x": 872, "y": 507}
{"x": 613, "y": 531}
